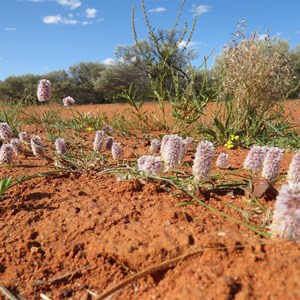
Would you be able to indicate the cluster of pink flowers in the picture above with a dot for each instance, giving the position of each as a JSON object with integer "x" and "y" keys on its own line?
{"x": 150, "y": 165}
{"x": 5, "y": 131}
{"x": 116, "y": 151}
{"x": 286, "y": 214}
{"x": 271, "y": 163}
{"x": 255, "y": 158}
{"x": 98, "y": 140}
{"x": 68, "y": 101}
{"x": 44, "y": 90}
{"x": 24, "y": 137}
{"x": 203, "y": 160}
{"x": 107, "y": 129}
{"x": 37, "y": 146}
{"x": 60, "y": 146}
{"x": 155, "y": 146}
{"x": 222, "y": 161}
{"x": 173, "y": 150}
{"x": 6, "y": 153}
{"x": 293, "y": 175}
{"x": 108, "y": 143}
{"x": 16, "y": 145}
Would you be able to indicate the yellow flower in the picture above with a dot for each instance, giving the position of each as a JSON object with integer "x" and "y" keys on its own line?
{"x": 89, "y": 129}
{"x": 229, "y": 144}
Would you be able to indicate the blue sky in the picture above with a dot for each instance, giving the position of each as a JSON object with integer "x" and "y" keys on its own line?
{"x": 40, "y": 36}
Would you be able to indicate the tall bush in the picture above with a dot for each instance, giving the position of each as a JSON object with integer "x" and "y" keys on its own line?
{"x": 253, "y": 77}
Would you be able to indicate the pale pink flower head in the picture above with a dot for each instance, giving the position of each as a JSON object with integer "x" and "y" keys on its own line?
{"x": 16, "y": 144}
{"x": 5, "y": 132}
{"x": 254, "y": 159}
{"x": 60, "y": 146}
{"x": 98, "y": 140}
{"x": 184, "y": 147}
{"x": 44, "y": 90}
{"x": 293, "y": 174}
{"x": 108, "y": 143}
{"x": 37, "y": 146}
{"x": 271, "y": 163}
{"x": 6, "y": 154}
{"x": 203, "y": 160}
{"x": 222, "y": 161}
{"x": 24, "y": 137}
{"x": 171, "y": 150}
{"x": 116, "y": 151}
{"x": 68, "y": 101}
{"x": 155, "y": 146}
{"x": 286, "y": 215}
{"x": 150, "y": 165}
{"x": 107, "y": 129}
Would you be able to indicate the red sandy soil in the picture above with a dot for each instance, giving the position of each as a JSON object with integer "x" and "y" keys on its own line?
{"x": 77, "y": 235}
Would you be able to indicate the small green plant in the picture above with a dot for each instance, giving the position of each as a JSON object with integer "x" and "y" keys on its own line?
{"x": 5, "y": 184}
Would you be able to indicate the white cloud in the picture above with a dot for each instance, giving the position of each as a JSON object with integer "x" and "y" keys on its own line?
{"x": 200, "y": 9}
{"x": 190, "y": 44}
{"x": 52, "y": 19}
{"x": 58, "y": 19}
{"x": 86, "y": 23}
{"x": 90, "y": 12}
{"x": 10, "y": 29}
{"x": 108, "y": 61}
{"x": 72, "y": 4}
{"x": 157, "y": 10}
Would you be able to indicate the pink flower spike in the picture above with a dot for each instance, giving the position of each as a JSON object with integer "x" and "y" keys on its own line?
{"x": 60, "y": 146}
{"x": 6, "y": 154}
{"x": 203, "y": 160}
{"x": 222, "y": 161}
{"x": 171, "y": 150}
{"x": 5, "y": 131}
{"x": 108, "y": 143}
{"x": 44, "y": 90}
{"x": 293, "y": 174}
{"x": 155, "y": 146}
{"x": 98, "y": 141}
{"x": 37, "y": 146}
{"x": 255, "y": 158}
{"x": 68, "y": 101}
{"x": 150, "y": 165}
{"x": 16, "y": 144}
{"x": 107, "y": 129}
{"x": 24, "y": 137}
{"x": 116, "y": 151}
{"x": 286, "y": 214}
{"x": 271, "y": 163}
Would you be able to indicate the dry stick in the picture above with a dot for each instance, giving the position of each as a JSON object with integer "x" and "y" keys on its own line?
{"x": 162, "y": 266}
{"x": 7, "y": 294}
{"x": 39, "y": 282}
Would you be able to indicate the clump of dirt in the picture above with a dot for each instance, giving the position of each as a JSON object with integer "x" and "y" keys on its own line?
{"x": 68, "y": 236}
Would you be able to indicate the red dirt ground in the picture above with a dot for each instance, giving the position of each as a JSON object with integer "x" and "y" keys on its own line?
{"x": 75, "y": 236}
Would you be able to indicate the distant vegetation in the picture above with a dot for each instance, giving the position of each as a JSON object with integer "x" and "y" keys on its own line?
{"x": 94, "y": 82}
{"x": 160, "y": 69}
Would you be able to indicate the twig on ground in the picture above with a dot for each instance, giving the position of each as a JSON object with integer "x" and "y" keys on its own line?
{"x": 9, "y": 295}
{"x": 160, "y": 267}
{"x": 39, "y": 282}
